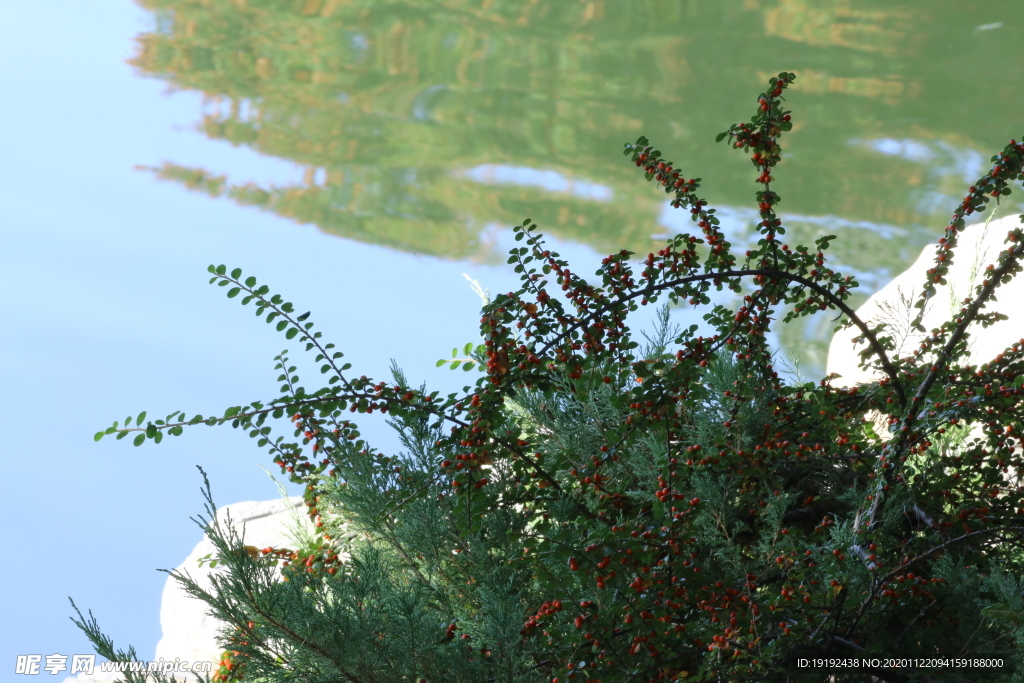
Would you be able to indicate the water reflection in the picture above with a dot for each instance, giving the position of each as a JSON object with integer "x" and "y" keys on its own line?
{"x": 420, "y": 122}
{"x": 552, "y": 181}
{"x": 942, "y": 164}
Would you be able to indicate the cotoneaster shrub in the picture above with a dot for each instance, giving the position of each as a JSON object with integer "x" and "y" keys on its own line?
{"x": 597, "y": 509}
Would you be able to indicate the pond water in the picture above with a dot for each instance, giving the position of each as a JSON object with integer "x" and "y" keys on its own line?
{"x": 426, "y": 126}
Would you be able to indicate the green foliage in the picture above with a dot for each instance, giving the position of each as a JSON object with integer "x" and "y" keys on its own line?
{"x": 474, "y": 355}
{"x": 599, "y": 509}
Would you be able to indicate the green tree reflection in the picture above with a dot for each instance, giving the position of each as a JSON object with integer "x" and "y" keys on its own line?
{"x": 421, "y": 121}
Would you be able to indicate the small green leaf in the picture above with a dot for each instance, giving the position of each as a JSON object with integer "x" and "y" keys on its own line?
{"x": 436, "y": 365}
{"x": 236, "y": 273}
{"x": 141, "y": 417}
{"x": 303, "y": 316}
{"x": 468, "y": 366}
{"x": 97, "y": 436}
{"x": 250, "y": 282}
{"x": 455, "y": 364}
{"x": 290, "y": 334}
{"x": 139, "y": 439}
{"x": 221, "y": 269}
{"x": 233, "y": 292}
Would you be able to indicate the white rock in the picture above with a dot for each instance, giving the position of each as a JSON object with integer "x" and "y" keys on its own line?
{"x": 978, "y": 246}
{"x": 189, "y": 633}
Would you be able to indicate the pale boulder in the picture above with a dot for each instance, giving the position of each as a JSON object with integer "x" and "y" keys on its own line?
{"x": 978, "y": 246}
{"x": 189, "y": 633}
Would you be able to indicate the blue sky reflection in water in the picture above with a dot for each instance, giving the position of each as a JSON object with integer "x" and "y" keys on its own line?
{"x": 105, "y": 266}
